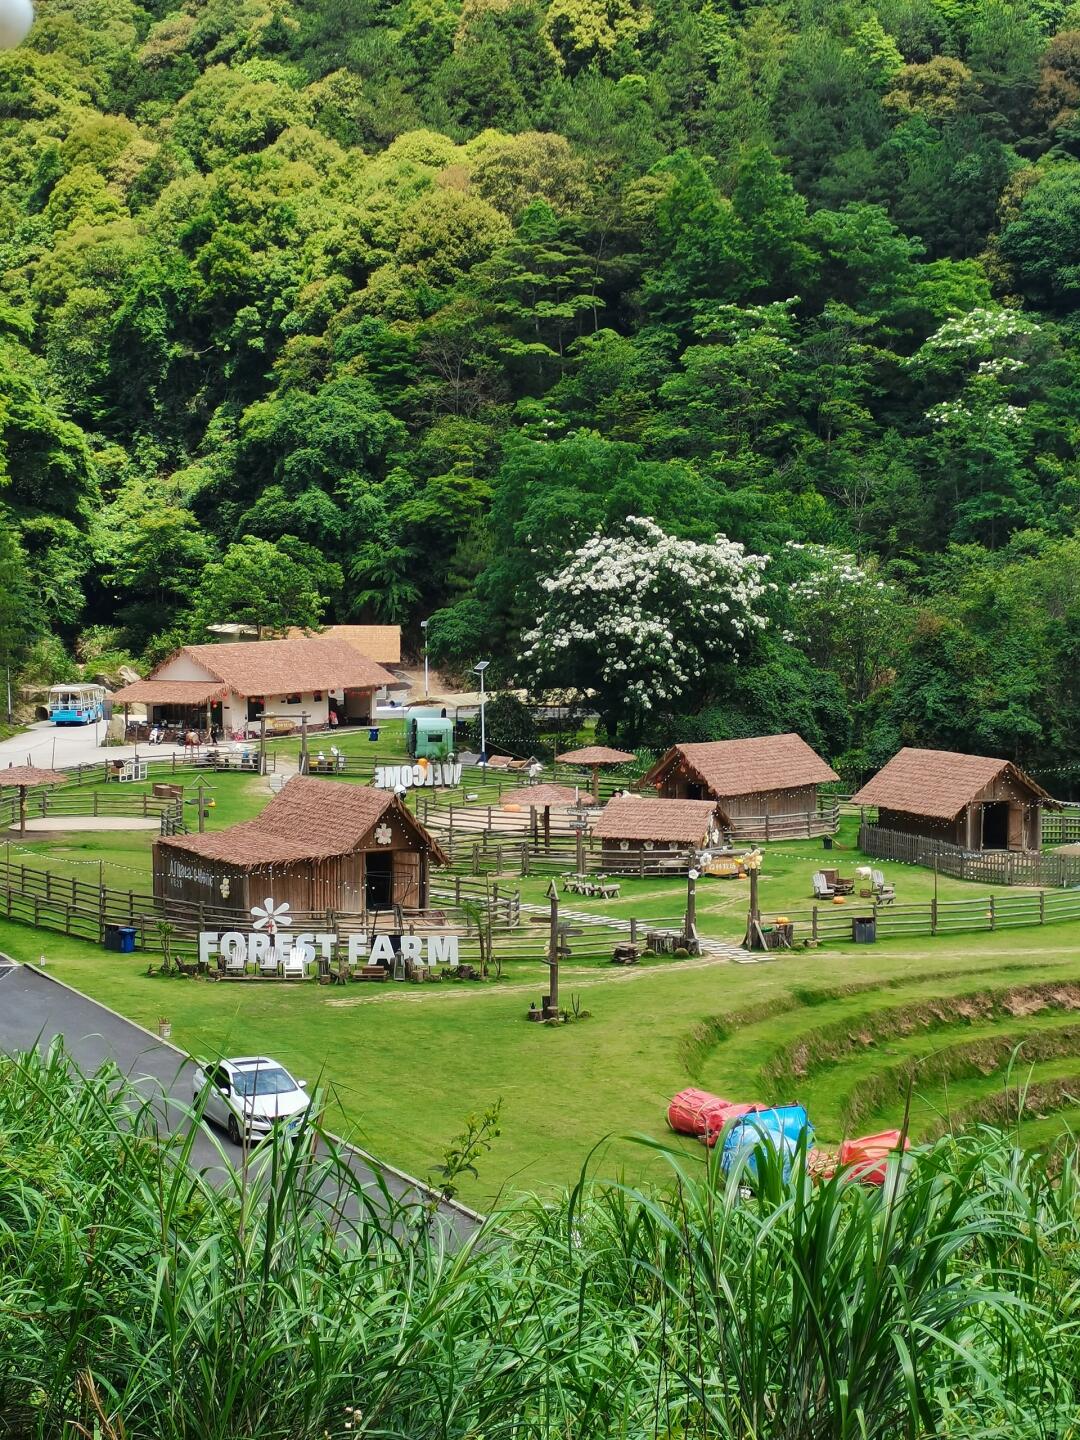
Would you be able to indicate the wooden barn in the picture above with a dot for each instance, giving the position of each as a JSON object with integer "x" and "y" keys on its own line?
{"x": 766, "y": 787}
{"x": 638, "y": 830}
{"x": 974, "y": 801}
{"x": 319, "y": 844}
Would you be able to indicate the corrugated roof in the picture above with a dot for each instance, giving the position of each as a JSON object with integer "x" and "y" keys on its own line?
{"x": 937, "y": 783}
{"x": 381, "y": 643}
{"x": 753, "y": 766}
{"x": 638, "y": 817}
{"x": 170, "y": 692}
{"x": 307, "y": 820}
{"x": 595, "y": 755}
{"x": 283, "y": 667}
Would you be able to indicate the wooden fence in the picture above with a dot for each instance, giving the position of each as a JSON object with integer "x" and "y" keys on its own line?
{"x": 56, "y": 801}
{"x": 990, "y": 867}
{"x": 829, "y": 923}
{"x": 1061, "y": 827}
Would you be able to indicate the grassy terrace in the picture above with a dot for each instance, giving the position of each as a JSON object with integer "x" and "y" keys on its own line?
{"x": 842, "y": 1027}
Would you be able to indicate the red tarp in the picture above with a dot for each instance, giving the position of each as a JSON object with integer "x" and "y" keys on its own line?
{"x": 700, "y": 1113}
{"x": 869, "y": 1153}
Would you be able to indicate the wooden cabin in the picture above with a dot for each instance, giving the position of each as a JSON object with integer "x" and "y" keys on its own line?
{"x": 228, "y": 687}
{"x": 637, "y": 831}
{"x": 974, "y": 801}
{"x": 766, "y": 787}
{"x": 319, "y": 845}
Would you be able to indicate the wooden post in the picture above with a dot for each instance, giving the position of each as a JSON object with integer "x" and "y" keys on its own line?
{"x": 303, "y": 743}
{"x": 993, "y": 915}
{"x": 596, "y": 784}
{"x": 813, "y": 923}
{"x": 933, "y": 915}
{"x": 579, "y": 849}
{"x": 690, "y": 926}
{"x": 22, "y": 811}
{"x": 262, "y": 741}
{"x": 766, "y": 824}
{"x": 633, "y": 929}
{"x": 1042, "y": 907}
{"x": 552, "y": 1007}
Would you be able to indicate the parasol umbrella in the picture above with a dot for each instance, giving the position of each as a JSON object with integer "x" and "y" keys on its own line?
{"x": 542, "y": 797}
{"x": 594, "y": 756}
{"x": 28, "y": 777}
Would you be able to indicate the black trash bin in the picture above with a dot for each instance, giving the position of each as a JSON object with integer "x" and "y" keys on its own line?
{"x": 826, "y": 842}
{"x": 121, "y": 938}
{"x": 864, "y": 929}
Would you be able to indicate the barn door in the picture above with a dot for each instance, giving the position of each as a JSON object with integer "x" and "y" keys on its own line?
{"x": 406, "y": 878}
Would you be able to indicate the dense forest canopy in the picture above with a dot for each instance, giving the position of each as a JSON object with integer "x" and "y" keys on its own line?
{"x": 361, "y": 310}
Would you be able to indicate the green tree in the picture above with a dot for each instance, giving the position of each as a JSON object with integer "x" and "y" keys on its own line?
{"x": 257, "y": 582}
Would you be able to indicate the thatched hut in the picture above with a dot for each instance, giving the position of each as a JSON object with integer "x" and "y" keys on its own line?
{"x": 974, "y": 801}
{"x": 766, "y": 786}
{"x": 319, "y": 845}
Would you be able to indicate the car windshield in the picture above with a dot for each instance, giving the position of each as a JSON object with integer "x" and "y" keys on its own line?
{"x": 267, "y": 1080}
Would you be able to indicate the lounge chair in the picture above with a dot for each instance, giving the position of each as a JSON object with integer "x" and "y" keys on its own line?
{"x": 822, "y": 889}
{"x": 293, "y": 967}
{"x": 883, "y": 893}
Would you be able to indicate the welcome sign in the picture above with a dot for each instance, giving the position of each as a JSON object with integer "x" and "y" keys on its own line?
{"x": 265, "y": 942}
{"x": 411, "y": 777}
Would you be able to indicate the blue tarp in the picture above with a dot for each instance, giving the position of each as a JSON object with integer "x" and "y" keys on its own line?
{"x": 783, "y": 1127}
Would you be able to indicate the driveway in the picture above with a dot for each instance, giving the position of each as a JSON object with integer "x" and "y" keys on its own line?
{"x": 46, "y": 744}
{"x": 35, "y": 1008}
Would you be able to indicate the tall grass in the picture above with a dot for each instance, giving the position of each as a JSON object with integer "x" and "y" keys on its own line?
{"x": 139, "y": 1298}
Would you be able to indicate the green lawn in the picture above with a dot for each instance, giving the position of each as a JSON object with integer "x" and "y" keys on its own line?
{"x": 406, "y": 1064}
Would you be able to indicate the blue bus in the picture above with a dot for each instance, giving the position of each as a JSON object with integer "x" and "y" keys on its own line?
{"x": 76, "y": 704}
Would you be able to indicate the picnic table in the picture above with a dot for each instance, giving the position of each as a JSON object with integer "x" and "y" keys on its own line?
{"x": 584, "y": 885}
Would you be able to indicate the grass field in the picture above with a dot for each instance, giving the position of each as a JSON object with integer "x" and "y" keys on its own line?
{"x": 845, "y": 1029}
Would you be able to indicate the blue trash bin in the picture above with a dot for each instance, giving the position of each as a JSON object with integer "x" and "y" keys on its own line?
{"x": 373, "y": 733}
{"x": 120, "y": 938}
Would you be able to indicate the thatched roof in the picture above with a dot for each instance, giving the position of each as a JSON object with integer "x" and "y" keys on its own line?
{"x": 939, "y": 783}
{"x": 29, "y": 776}
{"x": 539, "y": 797}
{"x": 595, "y": 755}
{"x": 307, "y": 820}
{"x": 637, "y": 817}
{"x": 170, "y": 692}
{"x": 284, "y": 667}
{"x": 756, "y": 766}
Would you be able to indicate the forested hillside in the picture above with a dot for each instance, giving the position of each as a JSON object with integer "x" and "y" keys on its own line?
{"x": 379, "y": 311}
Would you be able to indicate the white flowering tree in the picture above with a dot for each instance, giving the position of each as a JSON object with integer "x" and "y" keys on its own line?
{"x": 844, "y": 615}
{"x": 639, "y": 618}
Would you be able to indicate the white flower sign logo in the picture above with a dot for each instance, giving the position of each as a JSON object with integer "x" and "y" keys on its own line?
{"x": 383, "y": 835}
{"x": 269, "y": 916}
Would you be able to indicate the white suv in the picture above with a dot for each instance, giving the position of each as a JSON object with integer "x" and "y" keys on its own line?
{"x": 251, "y": 1095}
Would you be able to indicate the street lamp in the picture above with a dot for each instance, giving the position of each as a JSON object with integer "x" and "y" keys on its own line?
{"x": 427, "y": 687}
{"x": 478, "y": 669}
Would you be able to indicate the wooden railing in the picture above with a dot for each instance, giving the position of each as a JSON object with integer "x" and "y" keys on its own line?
{"x": 829, "y": 923}
{"x": 61, "y": 801}
{"x": 990, "y": 867}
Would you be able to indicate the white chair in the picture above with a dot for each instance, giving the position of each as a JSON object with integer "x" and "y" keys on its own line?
{"x": 268, "y": 964}
{"x": 235, "y": 964}
{"x": 293, "y": 967}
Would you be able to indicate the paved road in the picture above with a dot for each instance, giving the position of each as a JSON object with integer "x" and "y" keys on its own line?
{"x": 34, "y": 1009}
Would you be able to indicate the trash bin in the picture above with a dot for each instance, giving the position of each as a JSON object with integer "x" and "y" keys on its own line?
{"x": 121, "y": 938}
{"x": 864, "y": 929}
{"x": 826, "y": 842}
{"x": 373, "y": 732}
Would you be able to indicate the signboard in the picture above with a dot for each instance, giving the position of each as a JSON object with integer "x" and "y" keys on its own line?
{"x": 265, "y": 940}
{"x": 410, "y": 777}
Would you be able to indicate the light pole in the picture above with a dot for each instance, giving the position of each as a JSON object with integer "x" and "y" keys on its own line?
{"x": 427, "y": 686}
{"x": 698, "y": 860}
{"x": 479, "y": 669}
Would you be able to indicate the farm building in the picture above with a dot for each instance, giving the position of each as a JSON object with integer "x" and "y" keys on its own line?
{"x": 636, "y": 830}
{"x": 229, "y": 686}
{"x": 319, "y": 845}
{"x": 766, "y": 787}
{"x": 974, "y": 801}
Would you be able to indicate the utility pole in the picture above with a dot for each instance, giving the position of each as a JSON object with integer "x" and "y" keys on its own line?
{"x": 427, "y": 684}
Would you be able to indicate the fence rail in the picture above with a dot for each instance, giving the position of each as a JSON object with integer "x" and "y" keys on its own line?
{"x": 991, "y": 867}
{"x": 1061, "y": 827}
{"x": 53, "y": 801}
{"x": 933, "y": 917}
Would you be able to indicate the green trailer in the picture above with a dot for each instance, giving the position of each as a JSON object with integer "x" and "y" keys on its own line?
{"x": 429, "y": 734}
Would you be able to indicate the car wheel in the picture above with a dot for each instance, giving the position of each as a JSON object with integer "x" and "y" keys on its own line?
{"x": 234, "y": 1131}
